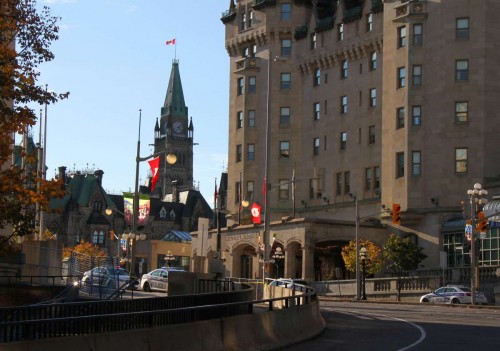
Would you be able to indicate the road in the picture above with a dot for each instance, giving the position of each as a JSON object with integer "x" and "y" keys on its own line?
{"x": 379, "y": 326}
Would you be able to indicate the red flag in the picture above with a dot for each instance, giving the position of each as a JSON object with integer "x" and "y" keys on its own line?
{"x": 255, "y": 211}
{"x": 155, "y": 165}
{"x": 168, "y": 42}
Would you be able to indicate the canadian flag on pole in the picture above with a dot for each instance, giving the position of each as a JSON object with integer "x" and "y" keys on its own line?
{"x": 155, "y": 166}
{"x": 255, "y": 211}
{"x": 168, "y": 42}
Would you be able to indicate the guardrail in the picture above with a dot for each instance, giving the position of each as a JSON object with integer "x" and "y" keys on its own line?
{"x": 82, "y": 318}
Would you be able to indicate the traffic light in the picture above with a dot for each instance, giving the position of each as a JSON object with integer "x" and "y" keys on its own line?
{"x": 396, "y": 213}
{"x": 482, "y": 223}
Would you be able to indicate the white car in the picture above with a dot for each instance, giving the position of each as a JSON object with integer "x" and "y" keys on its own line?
{"x": 106, "y": 277}
{"x": 296, "y": 284}
{"x": 453, "y": 294}
{"x": 157, "y": 279}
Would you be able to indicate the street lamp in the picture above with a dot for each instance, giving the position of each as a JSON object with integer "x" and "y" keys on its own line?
{"x": 170, "y": 159}
{"x": 362, "y": 253}
{"x": 477, "y": 198}
{"x": 169, "y": 258}
{"x": 278, "y": 255}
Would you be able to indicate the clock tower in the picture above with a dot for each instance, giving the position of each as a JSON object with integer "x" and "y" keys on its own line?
{"x": 174, "y": 135}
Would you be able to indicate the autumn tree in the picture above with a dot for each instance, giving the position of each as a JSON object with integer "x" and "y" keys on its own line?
{"x": 25, "y": 37}
{"x": 85, "y": 248}
{"x": 374, "y": 259}
{"x": 402, "y": 255}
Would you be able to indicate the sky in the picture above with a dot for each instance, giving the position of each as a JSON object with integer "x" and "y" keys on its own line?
{"x": 112, "y": 58}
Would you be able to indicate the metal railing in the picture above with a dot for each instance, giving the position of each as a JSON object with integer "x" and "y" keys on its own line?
{"x": 71, "y": 319}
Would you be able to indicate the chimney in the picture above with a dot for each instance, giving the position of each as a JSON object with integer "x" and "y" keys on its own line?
{"x": 98, "y": 175}
{"x": 175, "y": 192}
{"x": 62, "y": 174}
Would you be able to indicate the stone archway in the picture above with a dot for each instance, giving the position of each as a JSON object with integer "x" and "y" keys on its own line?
{"x": 328, "y": 261}
{"x": 244, "y": 261}
{"x": 293, "y": 260}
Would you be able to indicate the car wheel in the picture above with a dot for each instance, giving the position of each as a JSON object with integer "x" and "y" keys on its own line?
{"x": 146, "y": 287}
{"x": 426, "y": 300}
{"x": 455, "y": 301}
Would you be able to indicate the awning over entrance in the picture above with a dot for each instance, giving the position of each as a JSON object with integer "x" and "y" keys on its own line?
{"x": 492, "y": 208}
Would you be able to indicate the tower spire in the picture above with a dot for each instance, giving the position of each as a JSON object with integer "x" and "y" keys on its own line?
{"x": 174, "y": 104}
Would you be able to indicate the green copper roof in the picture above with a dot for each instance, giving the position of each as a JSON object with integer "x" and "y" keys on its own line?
{"x": 174, "y": 101}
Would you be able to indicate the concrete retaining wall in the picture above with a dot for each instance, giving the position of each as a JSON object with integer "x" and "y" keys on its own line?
{"x": 264, "y": 330}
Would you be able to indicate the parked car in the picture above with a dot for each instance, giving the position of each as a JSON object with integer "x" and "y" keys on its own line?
{"x": 106, "y": 277}
{"x": 157, "y": 279}
{"x": 296, "y": 284}
{"x": 453, "y": 294}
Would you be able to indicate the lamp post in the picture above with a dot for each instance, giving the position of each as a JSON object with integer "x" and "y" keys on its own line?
{"x": 477, "y": 198}
{"x": 170, "y": 159}
{"x": 278, "y": 255}
{"x": 362, "y": 253}
{"x": 169, "y": 258}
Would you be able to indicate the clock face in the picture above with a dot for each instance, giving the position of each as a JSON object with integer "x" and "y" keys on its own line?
{"x": 178, "y": 127}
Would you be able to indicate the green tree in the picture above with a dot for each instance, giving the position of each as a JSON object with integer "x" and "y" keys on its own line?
{"x": 25, "y": 38}
{"x": 374, "y": 259}
{"x": 401, "y": 256}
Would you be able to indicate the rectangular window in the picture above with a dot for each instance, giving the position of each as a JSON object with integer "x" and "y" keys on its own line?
{"x": 239, "y": 119}
{"x": 369, "y": 22}
{"x": 314, "y": 41}
{"x": 316, "y": 110}
{"x": 286, "y": 47}
{"x": 462, "y": 70}
{"x": 400, "y": 164}
{"x": 251, "y": 118}
{"x": 317, "y": 77}
{"x": 285, "y": 115}
{"x": 462, "y": 31}
{"x": 401, "y": 37}
{"x": 316, "y": 146}
{"x": 239, "y": 153}
{"x": 401, "y": 77}
{"x": 243, "y": 23}
{"x": 343, "y": 140}
{"x": 417, "y": 34}
{"x": 250, "y": 19}
{"x": 373, "y": 97}
{"x": 252, "y": 84}
{"x": 417, "y": 75}
{"x": 371, "y": 135}
{"x": 251, "y": 152}
{"x": 237, "y": 193}
{"x": 340, "y": 32}
{"x": 376, "y": 179}
{"x": 416, "y": 164}
{"x": 461, "y": 160}
{"x": 239, "y": 86}
{"x": 416, "y": 115}
{"x": 286, "y": 81}
{"x": 368, "y": 179}
{"x": 400, "y": 117}
{"x": 373, "y": 61}
{"x": 284, "y": 149}
{"x": 284, "y": 189}
{"x": 250, "y": 192}
{"x": 338, "y": 190}
{"x": 461, "y": 112}
{"x": 343, "y": 104}
{"x": 286, "y": 10}
{"x": 311, "y": 188}
{"x": 343, "y": 69}
{"x": 347, "y": 182}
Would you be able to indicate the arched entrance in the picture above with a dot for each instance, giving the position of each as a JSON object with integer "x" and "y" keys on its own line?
{"x": 244, "y": 259}
{"x": 328, "y": 261}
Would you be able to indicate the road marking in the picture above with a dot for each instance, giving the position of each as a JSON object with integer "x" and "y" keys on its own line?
{"x": 423, "y": 334}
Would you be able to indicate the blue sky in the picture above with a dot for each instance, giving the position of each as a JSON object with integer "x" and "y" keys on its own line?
{"x": 111, "y": 56}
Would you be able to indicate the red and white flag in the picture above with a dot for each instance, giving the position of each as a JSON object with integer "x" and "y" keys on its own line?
{"x": 155, "y": 167}
{"x": 168, "y": 42}
{"x": 255, "y": 211}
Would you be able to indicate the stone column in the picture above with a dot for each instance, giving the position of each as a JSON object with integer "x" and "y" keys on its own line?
{"x": 308, "y": 262}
